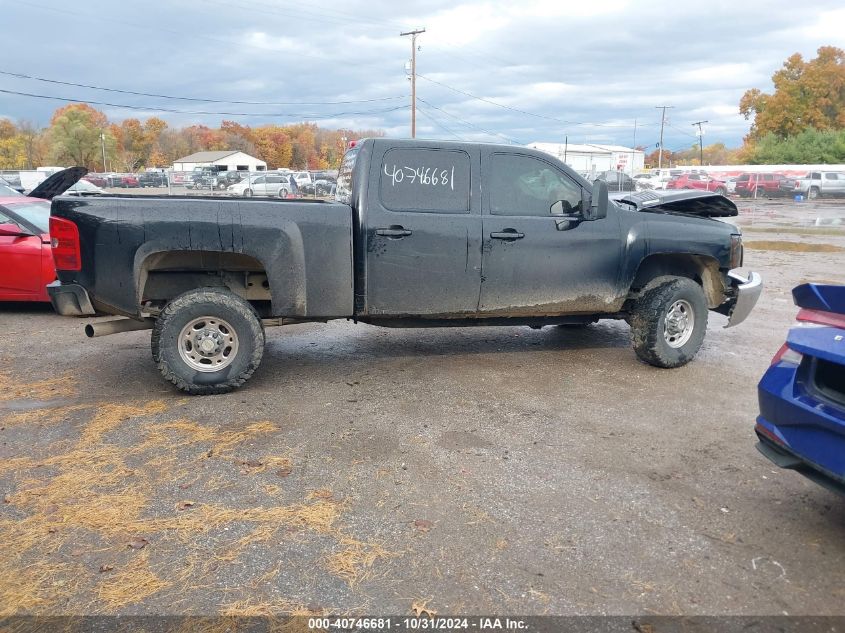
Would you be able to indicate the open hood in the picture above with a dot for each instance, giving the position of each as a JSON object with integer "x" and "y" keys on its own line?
{"x": 58, "y": 183}
{"x": 826, "y": 298}
{"x": 701, "y": 203}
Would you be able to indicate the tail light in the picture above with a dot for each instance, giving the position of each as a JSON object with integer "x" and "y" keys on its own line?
{"x": 820, "y": 318}
{"x": 736, "y": 251}
{"x": 787, "y": 355}
{"x": 64, "y": 236}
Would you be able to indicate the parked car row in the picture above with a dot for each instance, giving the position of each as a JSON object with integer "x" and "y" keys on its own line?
{"x": 746, "y": 185}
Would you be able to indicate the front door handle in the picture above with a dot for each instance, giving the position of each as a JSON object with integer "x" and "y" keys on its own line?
{"x": 394, "y": 231}
{"x": 507, "y": 234}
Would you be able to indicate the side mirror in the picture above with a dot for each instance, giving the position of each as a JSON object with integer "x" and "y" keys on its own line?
{"x": 13, "y": 230}
{"x": 557, "y": 208}
{"x": 598, "y": 200}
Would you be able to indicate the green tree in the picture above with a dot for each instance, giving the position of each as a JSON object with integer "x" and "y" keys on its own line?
{"x": 75, "y": 136}
{"x": 806, "y": 148}
{"x": 807, "y": 95}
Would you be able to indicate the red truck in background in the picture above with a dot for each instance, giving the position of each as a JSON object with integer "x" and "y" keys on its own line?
{"x": 759, "y": 185}
{"x": 698, "y": 181}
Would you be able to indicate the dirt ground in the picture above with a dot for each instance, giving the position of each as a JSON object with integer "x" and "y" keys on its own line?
{"x": 365, "y": 470}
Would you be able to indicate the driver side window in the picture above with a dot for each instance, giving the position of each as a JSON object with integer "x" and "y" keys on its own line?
{"x": 524, "y": 185}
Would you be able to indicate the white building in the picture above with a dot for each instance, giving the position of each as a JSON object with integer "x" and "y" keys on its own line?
{"x": 592, "y": 158}
{"x": 226, "y": 160}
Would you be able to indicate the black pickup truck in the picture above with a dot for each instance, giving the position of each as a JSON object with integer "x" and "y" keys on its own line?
{"x": 421, "y": 234}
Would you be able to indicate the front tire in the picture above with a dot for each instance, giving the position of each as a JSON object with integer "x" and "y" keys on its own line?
{"x": 208, "y": 341}
{"x": 722, "y": 191}
{"x": 668, "y": 322}
{"x": 813, "y": 193}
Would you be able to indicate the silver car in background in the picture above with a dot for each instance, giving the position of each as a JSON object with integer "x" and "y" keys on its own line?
{"x": 267, "y": 184}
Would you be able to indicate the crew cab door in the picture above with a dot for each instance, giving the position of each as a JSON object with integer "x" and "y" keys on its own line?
{"x": 423, "y": 232}
{"x": 833, "y": 183}
{"x": 535, "y": 263}
{"x": 20, "y": 262}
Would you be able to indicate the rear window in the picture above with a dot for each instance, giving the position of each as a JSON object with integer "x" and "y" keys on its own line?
{"x": 37, "y": 213}
{"x": 343, "y": 193}
{"x": 744, "y": 178}
{"x": 425, "y": 180}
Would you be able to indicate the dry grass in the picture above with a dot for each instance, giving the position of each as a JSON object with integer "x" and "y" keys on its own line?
{"x": 794, "y": 247}
{"x": 58, "y": 387}
{"x": 355, "y": 561}
{"x": 90, "y": 498}
{"x": 41, "y": 416}
{"x": 130, "y": 584}
{"x": 110, "y": 416}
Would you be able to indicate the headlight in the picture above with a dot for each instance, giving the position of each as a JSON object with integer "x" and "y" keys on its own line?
{"x": 736, "y": 251}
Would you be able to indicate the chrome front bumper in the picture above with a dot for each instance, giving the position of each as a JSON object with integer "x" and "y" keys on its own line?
{"x": 747, "y": 293}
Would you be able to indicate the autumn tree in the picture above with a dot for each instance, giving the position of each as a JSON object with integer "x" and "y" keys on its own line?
{"x": 806, "y": 95}
{"x": 73, "y": 138}
{"x": 75, "y": 135}
{"x": 273, "y": 145}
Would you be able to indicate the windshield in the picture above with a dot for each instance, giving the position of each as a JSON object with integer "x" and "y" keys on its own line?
{"x": 6, "y": 190}
{"x": 36, "y": 213}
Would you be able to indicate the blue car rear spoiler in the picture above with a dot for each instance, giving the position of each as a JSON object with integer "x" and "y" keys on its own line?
{"x": 819, "y": 297}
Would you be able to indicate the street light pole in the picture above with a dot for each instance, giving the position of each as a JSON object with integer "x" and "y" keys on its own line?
{"x": 103, "y": 142}
{"x": 413, "y": 35}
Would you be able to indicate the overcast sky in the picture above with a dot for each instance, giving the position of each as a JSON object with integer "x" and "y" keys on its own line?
{"x": 518, "y": 71}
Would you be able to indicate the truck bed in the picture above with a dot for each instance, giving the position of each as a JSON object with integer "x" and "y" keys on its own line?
{"x": 147, "y": 239}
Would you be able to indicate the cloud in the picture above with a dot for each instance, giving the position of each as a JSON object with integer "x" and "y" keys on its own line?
{"x": 583, "y": 70}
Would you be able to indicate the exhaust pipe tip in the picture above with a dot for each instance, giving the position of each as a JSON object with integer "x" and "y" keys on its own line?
{"x": 122, "y": 324}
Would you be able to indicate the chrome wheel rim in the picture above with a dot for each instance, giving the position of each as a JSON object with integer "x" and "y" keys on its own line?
{"x": 678, "y": 324}
{"x": 208, "y": 344}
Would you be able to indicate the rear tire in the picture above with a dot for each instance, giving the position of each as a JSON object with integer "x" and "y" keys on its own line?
{"x": 208, "y": 341}
{"x": 722, "y": 191}
{"x": 668, "y": 322}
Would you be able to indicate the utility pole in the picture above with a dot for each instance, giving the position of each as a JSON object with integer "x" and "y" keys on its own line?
{"x": 634, "y": 148}
{"x": 662, "y": 123}
{"x": 700, "y": 142}
{"x": 413, "y": 35}
{"x": 103, "y": 141}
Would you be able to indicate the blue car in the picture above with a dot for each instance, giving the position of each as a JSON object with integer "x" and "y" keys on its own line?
{"x": 802, "y": 395}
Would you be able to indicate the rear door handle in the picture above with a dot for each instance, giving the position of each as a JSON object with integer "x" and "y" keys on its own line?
{"x": 507, "y": 234}
{"x": 394, "y": 231}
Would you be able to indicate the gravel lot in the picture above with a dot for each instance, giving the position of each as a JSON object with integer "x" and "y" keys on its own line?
{"x": 362, "y": 470}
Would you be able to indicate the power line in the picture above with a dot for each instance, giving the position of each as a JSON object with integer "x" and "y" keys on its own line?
{"x": 203, "y": 112}
{"x": 441, "y": 125}
{"x": 472, "y": 125}
{"x": 195, "y": 99}
{"x": 677, "y": 129}
{"x": 517, "y": 110}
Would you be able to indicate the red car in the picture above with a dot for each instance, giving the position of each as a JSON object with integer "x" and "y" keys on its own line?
{"x": 26, "y": 255}
{"x": 698, "y": 181}
{"x": 96, "y": 179}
